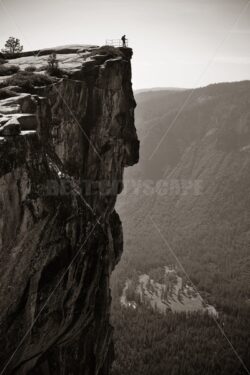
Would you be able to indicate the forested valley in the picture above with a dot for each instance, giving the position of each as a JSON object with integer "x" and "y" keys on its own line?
{"x": 204, "y": 234}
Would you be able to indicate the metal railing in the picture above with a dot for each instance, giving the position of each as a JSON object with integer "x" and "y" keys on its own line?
{"x": 116, "y": 43}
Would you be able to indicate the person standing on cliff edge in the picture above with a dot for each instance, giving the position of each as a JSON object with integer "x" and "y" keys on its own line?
{"x": 123, "y": 38}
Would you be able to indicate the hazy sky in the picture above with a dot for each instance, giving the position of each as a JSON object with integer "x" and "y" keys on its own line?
{"x": 182, "y": 43}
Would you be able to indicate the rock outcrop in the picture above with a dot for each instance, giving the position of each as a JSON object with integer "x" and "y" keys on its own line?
{"x": 63, "y": 149}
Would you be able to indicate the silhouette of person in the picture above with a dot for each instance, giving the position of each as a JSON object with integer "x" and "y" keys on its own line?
{"x": 123, "y": 38}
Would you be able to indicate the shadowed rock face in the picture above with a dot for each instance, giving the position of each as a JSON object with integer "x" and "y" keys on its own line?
{"x": 63, "y": 150}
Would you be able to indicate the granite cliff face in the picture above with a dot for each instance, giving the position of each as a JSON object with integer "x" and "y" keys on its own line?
{"x": 63, "y": 149}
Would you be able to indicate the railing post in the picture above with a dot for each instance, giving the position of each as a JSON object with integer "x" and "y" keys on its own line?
{"x": 116, "y": 42}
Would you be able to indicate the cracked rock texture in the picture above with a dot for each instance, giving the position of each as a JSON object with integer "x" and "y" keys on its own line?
{"x": 63, "y": 149}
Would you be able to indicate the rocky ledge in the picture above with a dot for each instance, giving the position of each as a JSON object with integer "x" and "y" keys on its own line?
{"x": 63, "y": 149}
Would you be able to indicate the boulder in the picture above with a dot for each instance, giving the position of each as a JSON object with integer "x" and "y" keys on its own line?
{"x": 27, "y": 121}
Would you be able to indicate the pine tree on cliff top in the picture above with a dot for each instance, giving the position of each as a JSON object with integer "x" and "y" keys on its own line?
{"x": 12, "y": 45}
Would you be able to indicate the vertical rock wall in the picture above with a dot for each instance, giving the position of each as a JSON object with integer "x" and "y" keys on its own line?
{"x": 61, "y": 167}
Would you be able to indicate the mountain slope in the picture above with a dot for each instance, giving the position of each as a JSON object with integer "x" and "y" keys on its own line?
{"x": 187, "y": 202}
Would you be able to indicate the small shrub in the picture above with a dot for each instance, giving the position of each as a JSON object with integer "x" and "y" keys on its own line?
{"x": 7, "y": 70}
{"x": 56, "y": 72}
{"x": 52, "y": 61}
{"x": 6, "y": 93}
{"x": 30, "y": 69}
{"x": 28, "y": 80}
{"x": 53, "y": 66}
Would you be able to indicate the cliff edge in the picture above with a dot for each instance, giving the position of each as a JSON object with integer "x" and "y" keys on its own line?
{"x": 63, "y": 148}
